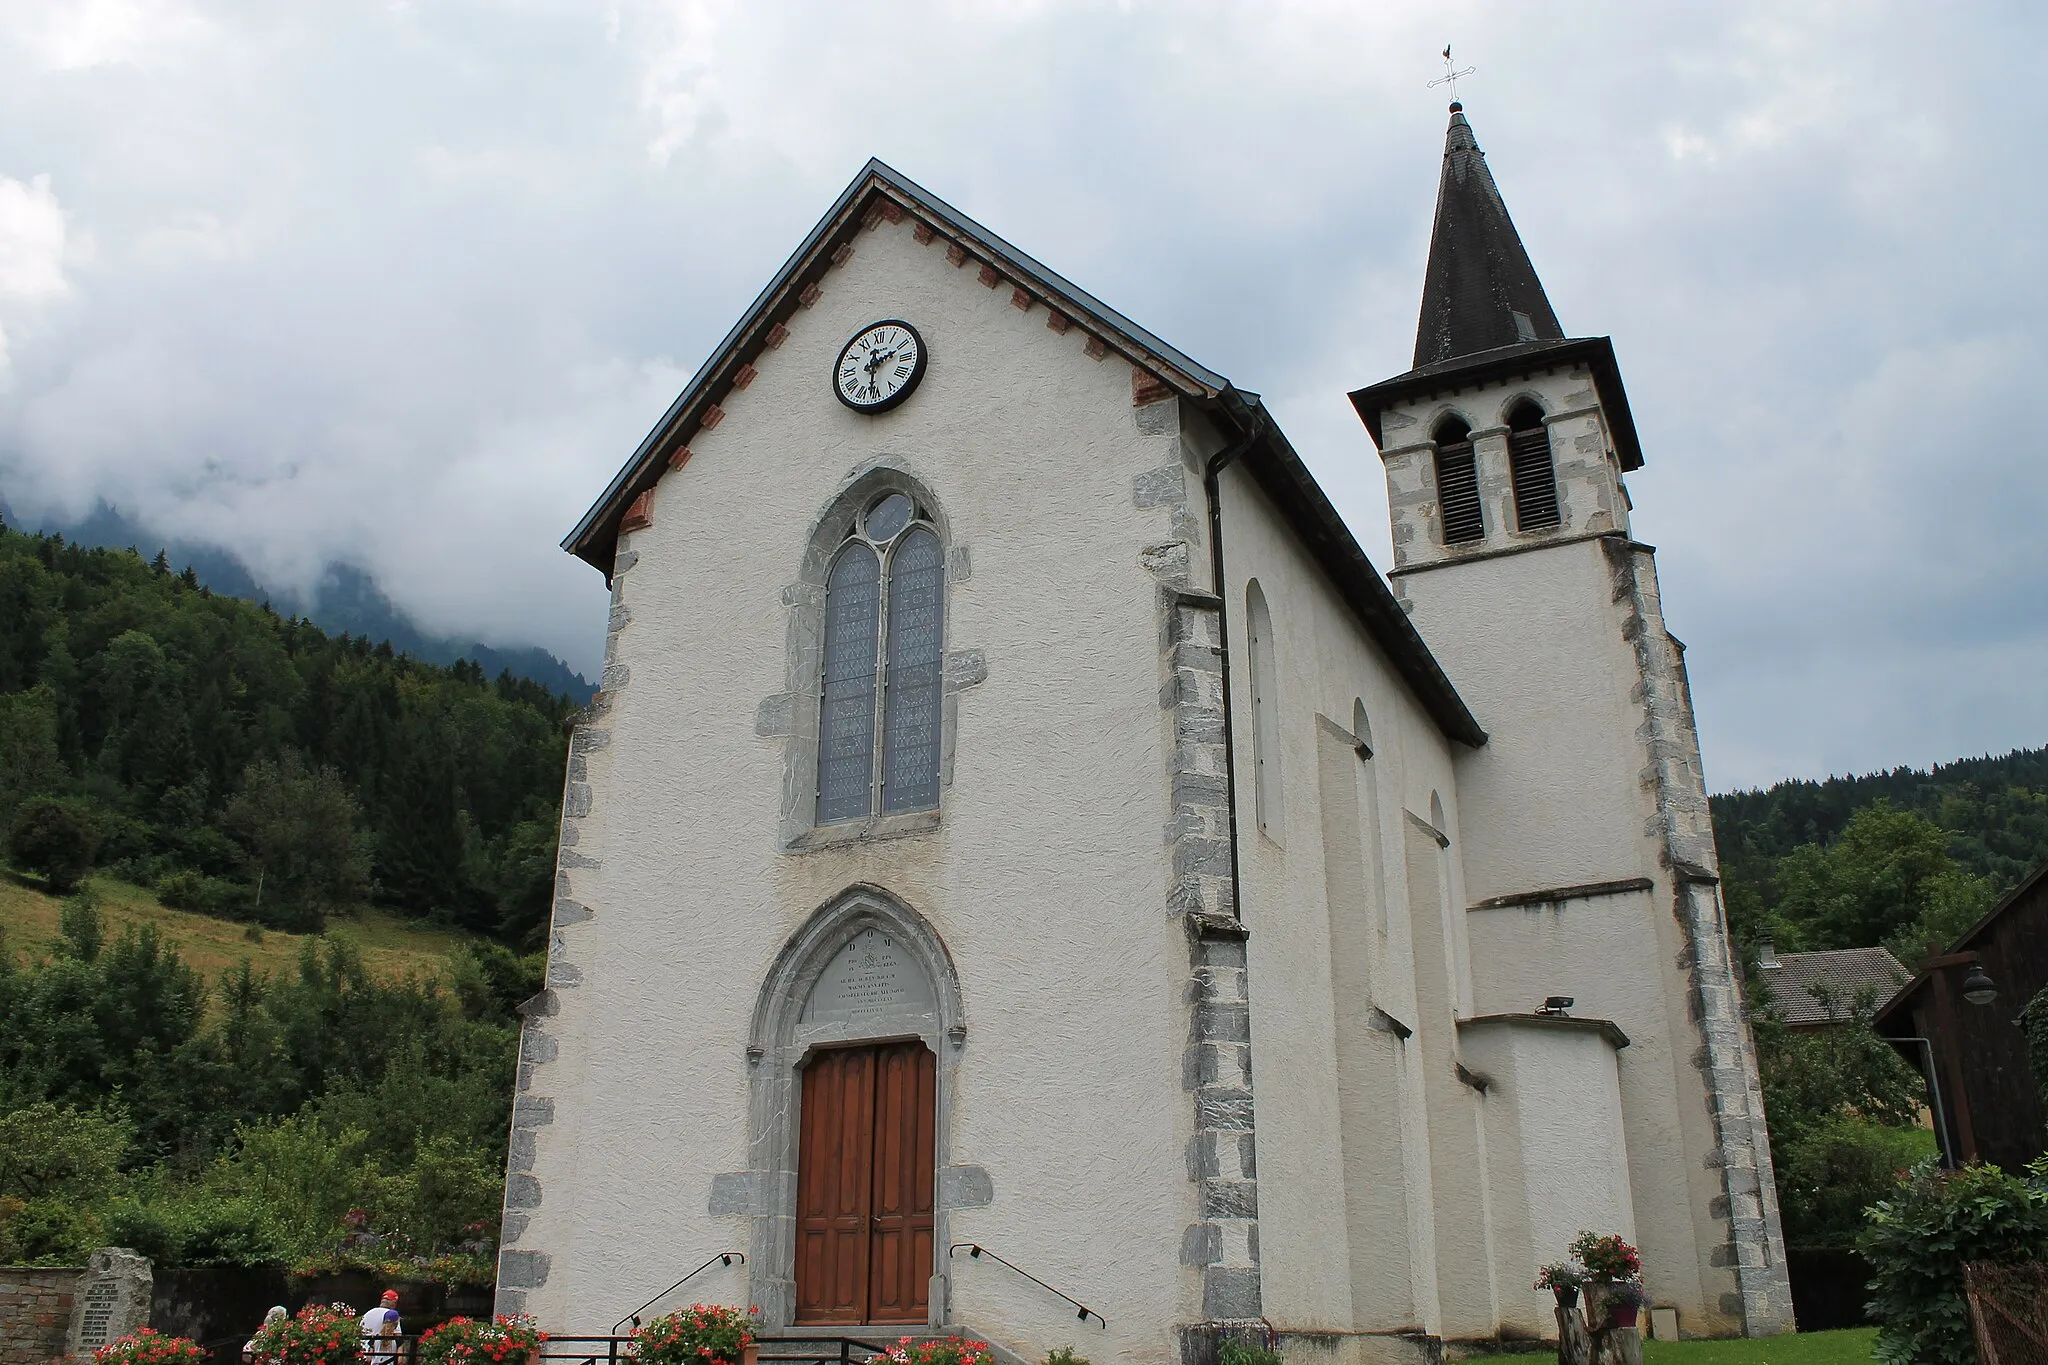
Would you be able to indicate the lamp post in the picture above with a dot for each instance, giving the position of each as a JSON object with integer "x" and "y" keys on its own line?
{"x": 1979, "y": 989}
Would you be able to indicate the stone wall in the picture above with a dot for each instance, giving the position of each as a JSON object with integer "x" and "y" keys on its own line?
{"x": 35, "y": 1312}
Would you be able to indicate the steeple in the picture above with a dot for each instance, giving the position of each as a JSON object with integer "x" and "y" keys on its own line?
{"x": 1481, "y": 292}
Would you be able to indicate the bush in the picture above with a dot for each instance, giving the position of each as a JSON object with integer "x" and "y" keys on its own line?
{"x": 319, "y": 1334}
{"x": 1242, "y": 1353}
{"x": 691, "y": 1335}
{"x": 1064, "y": 1355}
{"x": 1918, "y": 1241}
{"x": 185, "y": 889}
{"x": 55, "y": 839}
{"x": 150, "y": 1347}
{"x": 1835, "y": 1169}
{"x": 464, "y": 1341}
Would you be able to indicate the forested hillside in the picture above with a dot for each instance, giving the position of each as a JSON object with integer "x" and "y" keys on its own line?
{"x": 250, "y": 765}
{"x": 1895, "y": 858}
{"x": 1900, "y": 859}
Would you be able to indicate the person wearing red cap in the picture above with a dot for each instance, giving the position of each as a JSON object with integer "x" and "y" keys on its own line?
{"x": 381, "y": 1330}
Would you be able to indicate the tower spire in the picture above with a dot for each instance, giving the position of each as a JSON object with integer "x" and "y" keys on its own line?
{"x": 1480, "y": 292}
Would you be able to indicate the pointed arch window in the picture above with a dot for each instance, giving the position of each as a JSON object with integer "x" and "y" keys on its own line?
{"x": 878, "y": 709}
{"x": 1457, "y": 483}
{"x": 1530, "y": 468}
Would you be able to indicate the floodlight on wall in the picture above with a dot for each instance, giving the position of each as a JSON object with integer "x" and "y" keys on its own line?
{"x": 1556, "y": 1004}
{"x": 1978, "y": 987}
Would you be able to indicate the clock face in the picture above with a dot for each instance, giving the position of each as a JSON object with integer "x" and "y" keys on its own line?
{"x": 879, "y": 367}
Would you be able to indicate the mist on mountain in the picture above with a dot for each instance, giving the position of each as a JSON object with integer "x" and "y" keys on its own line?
{"x": 346, "y": 599}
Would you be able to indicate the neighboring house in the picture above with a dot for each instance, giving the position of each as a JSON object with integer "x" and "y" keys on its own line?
{"x": 1959, "y": 1016}
{"x": 1816, "y": 990}
{"x": 1001, "y": 733}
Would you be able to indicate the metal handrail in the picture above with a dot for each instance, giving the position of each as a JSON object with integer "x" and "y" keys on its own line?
{"x": 722, "y": 1258}
{"x": 618, "y": 1350}
{"x": 975, "y": 1251}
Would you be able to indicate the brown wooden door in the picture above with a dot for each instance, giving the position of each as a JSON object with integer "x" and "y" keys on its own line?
{"x": 865, "y": 1183}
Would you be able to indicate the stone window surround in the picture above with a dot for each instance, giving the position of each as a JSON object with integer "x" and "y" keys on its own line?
{"x": 779, "y": 1043}
{"x": 792, "y": 715}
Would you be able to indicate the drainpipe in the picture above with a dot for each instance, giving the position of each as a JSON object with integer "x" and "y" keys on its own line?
{"x": 1210, "y": 472}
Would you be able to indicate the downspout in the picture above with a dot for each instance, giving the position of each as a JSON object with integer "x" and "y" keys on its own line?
{"x": 1210, "y": 472}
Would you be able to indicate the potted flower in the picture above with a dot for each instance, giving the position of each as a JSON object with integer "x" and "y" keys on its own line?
{"x": 1607, "y": 1259}
{"x": 1563, "y": 1279}
{"x": 939, "y": 1351}
{"x": 465, "y": 1341}
{"x": 701, "y": 1333}
{"x": 150, "y": 1347}
{"x": 318, "y": 1334}
{"x": 1624, "y": 1299}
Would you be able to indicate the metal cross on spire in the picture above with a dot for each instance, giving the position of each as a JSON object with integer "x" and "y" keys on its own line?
{"x": 1451, "y": 74}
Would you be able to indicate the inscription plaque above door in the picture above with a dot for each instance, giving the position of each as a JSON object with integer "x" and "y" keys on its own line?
{"x": 870, "y": 983}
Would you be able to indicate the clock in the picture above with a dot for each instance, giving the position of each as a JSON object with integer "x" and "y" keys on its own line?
{"x": 880, "y": 367}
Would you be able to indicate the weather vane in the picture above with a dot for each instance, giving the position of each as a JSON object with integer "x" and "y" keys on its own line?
{"x": 1451, "y": 75}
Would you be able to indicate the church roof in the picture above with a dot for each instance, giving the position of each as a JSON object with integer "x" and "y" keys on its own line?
{"x": 1485, "y": 316}
{"x": 1480, "y": 292}
{"x": 880, "y": 190}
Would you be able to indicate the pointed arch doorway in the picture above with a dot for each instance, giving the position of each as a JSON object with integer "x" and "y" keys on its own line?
{"x": 866, "y": 1181}
{"x": 852, "y": 1059}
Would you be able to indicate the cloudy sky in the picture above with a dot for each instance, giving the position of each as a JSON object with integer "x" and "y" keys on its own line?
{"x": 403, "y": 284}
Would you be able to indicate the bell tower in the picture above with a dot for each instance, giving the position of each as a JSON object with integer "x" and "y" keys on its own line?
{"x": 1588, "y": 854}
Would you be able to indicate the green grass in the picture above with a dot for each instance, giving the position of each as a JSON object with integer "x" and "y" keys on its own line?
{"x": 1852, "y": 1347}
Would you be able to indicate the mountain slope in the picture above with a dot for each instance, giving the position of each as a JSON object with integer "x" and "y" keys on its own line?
{"x": 347, "y": 600}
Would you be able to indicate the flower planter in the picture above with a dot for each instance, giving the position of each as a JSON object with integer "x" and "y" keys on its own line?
{"x": 750, "y": 1354}
{"x": 1566, "y": 1298}
{"x": 1621, "y": 1314}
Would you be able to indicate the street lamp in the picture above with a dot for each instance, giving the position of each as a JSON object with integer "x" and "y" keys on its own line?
{"x": 1978, "y": 987}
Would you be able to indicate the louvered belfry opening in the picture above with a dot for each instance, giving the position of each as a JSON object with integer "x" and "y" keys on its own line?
{"x": 1529, "y": 466}
{"x": 1457, "y": 483}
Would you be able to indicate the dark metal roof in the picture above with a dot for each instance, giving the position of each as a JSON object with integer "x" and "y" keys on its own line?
{"x": 1842, "y": 971}
{"x": 1271, "y": 459}
{"x": 1480, "y": 291}
{"x": 1488, "y": 367}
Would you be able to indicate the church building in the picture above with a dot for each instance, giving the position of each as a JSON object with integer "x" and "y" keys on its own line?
{"x": 1026, "y": 872}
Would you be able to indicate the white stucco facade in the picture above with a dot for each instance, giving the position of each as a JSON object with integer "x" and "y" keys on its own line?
{"x": 1226, "y": 950}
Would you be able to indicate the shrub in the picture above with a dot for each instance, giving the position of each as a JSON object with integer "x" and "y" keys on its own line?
{"x": 150, "y": 1347}
{"x": 1918, "y": 1241}
{"x": 1241, "y": 1353}
{"x": 318, "y": 1334}
{"x": 951, "y": 1351}
{"x": 465, "y": 1341}
{"x": 55, "y": 839}
{"x": 690, "y": 1336}
{"x": 185, "y": 889}
{"x": 1064, "y": 1355}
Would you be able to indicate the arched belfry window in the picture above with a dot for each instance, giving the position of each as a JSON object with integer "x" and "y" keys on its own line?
{"x": 1457, "y": 483}
{"x": 1530, "y": 468}
{"x": 878, "y": 717}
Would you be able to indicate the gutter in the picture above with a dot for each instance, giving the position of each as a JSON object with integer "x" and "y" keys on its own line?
{"x": 1211, "y": 489}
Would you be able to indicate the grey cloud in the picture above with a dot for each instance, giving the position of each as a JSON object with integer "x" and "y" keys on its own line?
{"x": 404, "y": 286}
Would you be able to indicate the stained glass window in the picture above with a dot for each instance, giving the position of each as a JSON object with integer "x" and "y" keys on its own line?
{"x": 879, "y": 717}
{"x": 910, "y": 704}
{"x": 846, "y": 718}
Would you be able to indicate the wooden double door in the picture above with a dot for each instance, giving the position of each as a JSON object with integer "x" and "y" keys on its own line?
{"x": 866, "y": 1185}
